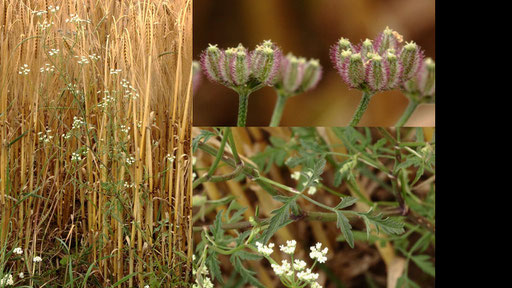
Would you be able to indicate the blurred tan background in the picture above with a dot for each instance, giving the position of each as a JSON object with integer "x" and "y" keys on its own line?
{"x": 308, "y": 28}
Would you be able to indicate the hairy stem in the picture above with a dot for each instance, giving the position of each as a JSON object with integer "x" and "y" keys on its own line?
{"x": 363, "y": 105}
{"x": 407, "y": 113}
{"x": 279, "y": 108}
{"x": 243, "y": 105}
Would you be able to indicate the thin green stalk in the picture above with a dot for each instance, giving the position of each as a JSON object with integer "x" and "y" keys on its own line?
{"x": 279, "y": 108}
{"x": 407, "y": 113}
{"x": 363, "y": 105}
{"x": 243, "y": 105}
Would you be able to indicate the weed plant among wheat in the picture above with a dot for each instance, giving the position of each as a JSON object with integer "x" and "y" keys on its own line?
{"x": 95, "y": 162}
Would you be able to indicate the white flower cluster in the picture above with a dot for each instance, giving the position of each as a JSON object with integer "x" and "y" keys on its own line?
{"x": 318, "y": 254}
{"x": 128, "y": 185}
{"x": 204, "y": 281}
{"x": 129, "y": 90}
{"x": 265, "y": 249}
{"x": 45, "y": 25}
{"x": 76, "y": 157}
{"x": 39, "y": 12}
{"x": 107, "y": 100}
{"x": 46, "y": 137}
{"x": 130, "y": 160}
{"x": 289, "y": 248}
{"x": 53, "y": 52}
{"x": 83, "y": 60}
{"x": 115, "y": 71}
{"x": 47, "y": 68}
{"x": 53, "y": 9}
{"x": 295, "y": 274}
{"x": 75, "y": 19}
{"x": 18, "y": 250}
{"x": 24, "y": 70}
{"x": 77, "y": 122}
{"x": 125, "y": 129}
{"x": 7, "y": 280}
{"x": 37, "y": 259}
{"x": 285, "y": 269}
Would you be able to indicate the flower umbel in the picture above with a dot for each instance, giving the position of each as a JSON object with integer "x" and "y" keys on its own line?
{"x": 380, "y": 64}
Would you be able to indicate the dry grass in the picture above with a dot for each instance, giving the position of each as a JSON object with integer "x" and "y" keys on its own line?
{"x": 119, "y": 205}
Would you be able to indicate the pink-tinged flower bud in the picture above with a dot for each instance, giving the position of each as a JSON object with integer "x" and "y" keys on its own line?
{"x": 354, "y": 72}
{"x": 297, "y": 75}
{"x": 312, "y": 75}
{"x": 292, "y": 73}
{"x": 366, "y": 49}
{"x": 336, "y": 53}
{"x": 376, "y": 73}
{"x": 427, "y": 77}
{"x": 410, "y": 60}
{"x": 196, "y": 76}
{"x": 210, "y": 63}
{"x": 424, "y": 84}
{"x": 388, "y": 39}
{"x": 393, "y": 70}
{"x": 235, "y": 66}
{"x": 265, "y": 63}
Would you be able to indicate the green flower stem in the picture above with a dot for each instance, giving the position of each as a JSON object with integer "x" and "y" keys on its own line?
{"x": 363, "y": 105}
{"x": 243, "y": 105}
{"x": 407, "y": 113}
{"x": 279, "y": 108}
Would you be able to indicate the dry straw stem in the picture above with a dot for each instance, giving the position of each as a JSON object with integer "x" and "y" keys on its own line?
{"x": 125, "y": 199}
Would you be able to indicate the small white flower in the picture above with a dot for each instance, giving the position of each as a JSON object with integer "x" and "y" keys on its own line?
{"x": 315, "y": 285}
{"x": 18, "y": 250}
{"x": 7, "y": 280}
{"x": 299, "y": 265}
{"x": 282, "y": 270}
{"x": 296, "y": 175}
{"x": 24, "y": 70}
{"x": 265, "y": 249}
{"x": 37, "y": 259}
{"x": 146, "y": 286}
{"x": 312, "y": 190}
{"x": 307, "y": 275}
{"x": 21, "y": 275}
{"x": 318, "y": 254}
{"x": 289, "y": 248}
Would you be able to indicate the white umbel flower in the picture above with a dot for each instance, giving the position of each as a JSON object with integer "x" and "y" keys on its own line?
{"x": 289, "y": 248}
{"x": 318, "y": 254}
{"x": 296, "y": 175}
{"x": 299, "y": 265}
{"x": 307, "y": 275}
{"x": 265, "y": 249}
{"x": 285, "y": 269}
{"x": 37, "y": 259}
{"x": 18, "y": 250}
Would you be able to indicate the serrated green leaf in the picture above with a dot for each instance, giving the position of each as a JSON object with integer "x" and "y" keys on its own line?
{"x": 346, "y": 229}
{"x": 346, "y": 202}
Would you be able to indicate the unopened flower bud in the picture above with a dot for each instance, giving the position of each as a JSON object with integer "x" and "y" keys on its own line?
{"x": 393, "y": 70}
{"x": 210, "y": 63}
{"x": 377, "y": 78}
{"x": 355, "y": 73}
{"x": 424, "y": 83}
{"x": 410, "y": 59}
{"x": 339, "y": 53}
{"x": 265, "y": 62}
{"x": 312, "y": 75}
{"x": 235, "y": 66}
{"x": 387, "y": 40}
{"x": 292, "y": 72}
{"x": 366, "y": 49}
{"x": 196, "y": 76}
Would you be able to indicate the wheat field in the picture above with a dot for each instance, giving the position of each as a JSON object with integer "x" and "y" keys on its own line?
{"x": 95, "y": 163}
